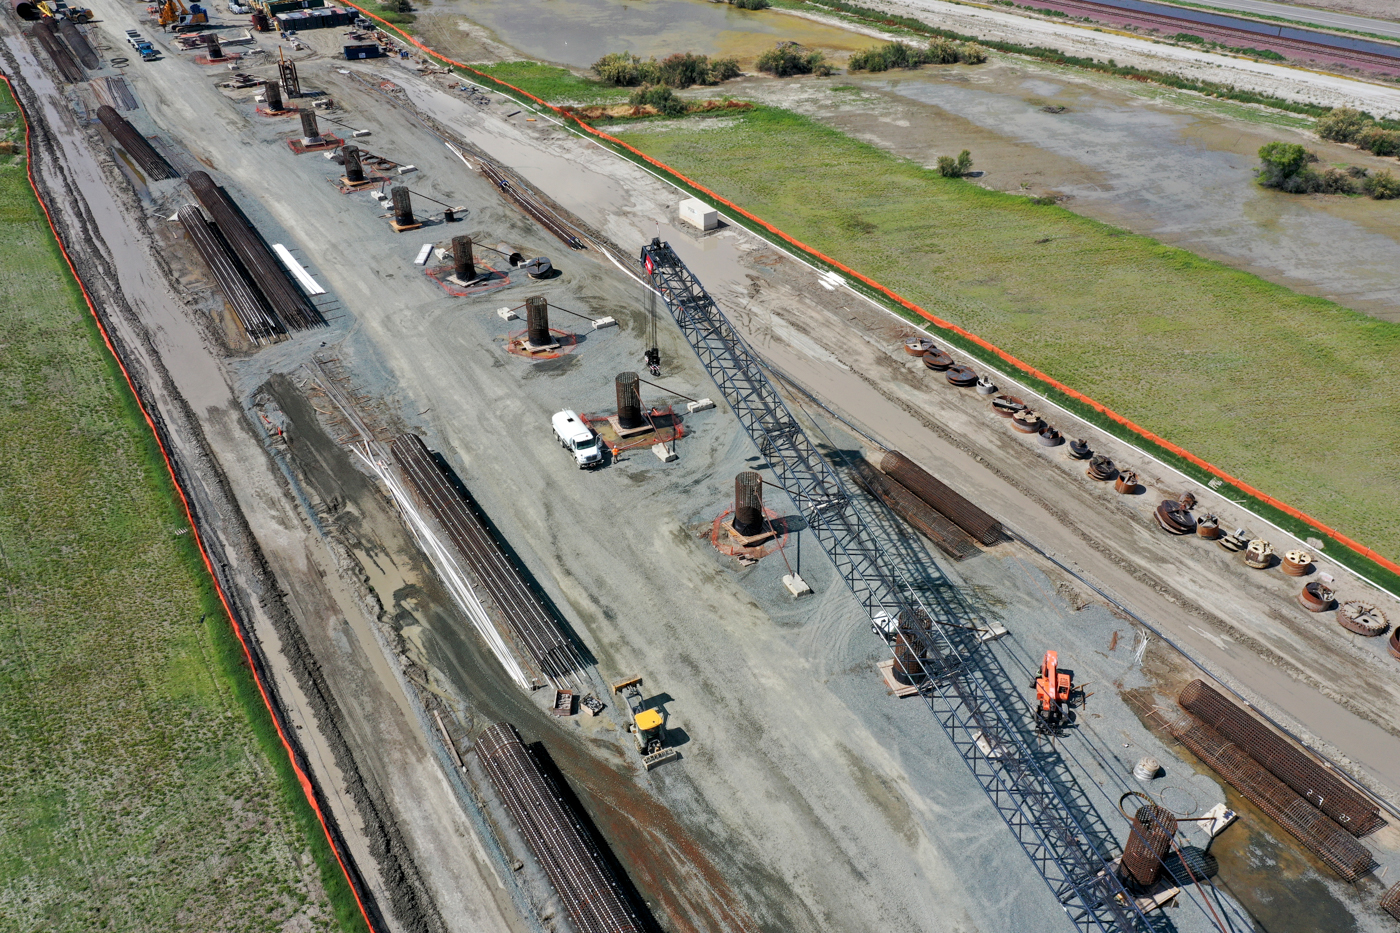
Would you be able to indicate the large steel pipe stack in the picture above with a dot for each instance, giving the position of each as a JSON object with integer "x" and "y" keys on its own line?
{"x": 959, "y": 510}
{"x": 287, "y": 300}
{"x": 26, "y": 10}
{"x": 62, "y": 58}
{"x": 273, "y": 93}
{"x": 136, "y": 145}
{"x": 464, "y": 264}
{"x": 403, "y": 206}
{"x": 748, "y": 503}
{"x": 1148, "y": 841}
{"x": 629, "y": 400}
{"x": 1318, "y": 834}
{"x": 502, "y": 581}
{"x": 354, "y": 168}
{"x": 590, "y": 895}
{"x": 1314, "y": 783}
{"x": 951, "y": 539}
{"x": 246, "y": 303}
{"x": 79, "y": 44}
{"x": 537, "y": 321}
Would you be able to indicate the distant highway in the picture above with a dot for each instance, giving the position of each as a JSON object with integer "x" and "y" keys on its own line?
{"x": 1304, "y": 14}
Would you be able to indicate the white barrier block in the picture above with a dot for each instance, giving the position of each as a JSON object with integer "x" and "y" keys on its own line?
{"x": 703, "y": 404}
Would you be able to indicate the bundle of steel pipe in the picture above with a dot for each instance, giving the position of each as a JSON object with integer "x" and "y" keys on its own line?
{"x": 136, "y": 145}
{"x": 542, "y": 215}
{"x": 1318, "y": 834}
{"x": 246, "y": 303}
{"x": 1314, "y": 783}
{"x": 575, "y": 867}
{"x": 79, "y": 44}
{"x": 951, "y": 539}
{"x": 286, "y": 299}
{"x": 62, "y": 58}
{"x": 959, "y": 510}
{"x": 514, "y": 600}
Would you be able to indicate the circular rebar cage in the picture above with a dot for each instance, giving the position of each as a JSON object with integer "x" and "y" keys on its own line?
{"x": 309, "y": 129}
{"x": 403, "y": 207}
{"x": 354, "y": 169}
{"x": 274, "y": 95}
{"x": 537, "y": 321}
{"x": 629, "y": 401}
{"x": 748, "y": 503}
{"x": 1148, "y": 842}
{"x": 463, "y": 263}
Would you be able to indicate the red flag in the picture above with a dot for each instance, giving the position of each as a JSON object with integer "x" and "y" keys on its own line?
{"x": 650, "y": 268}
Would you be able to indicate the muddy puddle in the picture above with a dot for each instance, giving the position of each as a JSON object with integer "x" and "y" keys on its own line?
{"x": 579, "y": 32}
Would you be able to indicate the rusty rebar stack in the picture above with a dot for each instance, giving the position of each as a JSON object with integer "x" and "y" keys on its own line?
{"x": 1324, "y": 790}
{"x": 464, "y": 264}
{"x": 537, "y": 325}
{"x": 286, "y": 298}
{"x": 79, "y": 44}
{"x": 136, "y": 145}
{"x": 1322, "y": 837}
{"x": 958, "y": 509}
{"x": 590, "y": 895}
{"x": 403, "y": 206}
{"x": 629, "y": 400}
{"x": 62, "y": 58}
{"x": 1148, "y": 841}
{"x": 748, "y": 503}
{"x": 929, "y": 522}
{"x": 273, "y": 91}
{"x": 247, "y": 305}
{"x": 1390, "y": 901}
{"x": 309, "y": 130}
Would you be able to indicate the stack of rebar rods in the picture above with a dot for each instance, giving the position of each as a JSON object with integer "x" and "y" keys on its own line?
{"x": 286, "y": 299}
{"x": 951, "y": 539}
{"x": 531, "y": 205}
{"x": 956, "y": 507}
{"x": 79, "y": 44}
{"x": 590, "y": 895}
{"x": 1314, "y": 783}
{"x": 246, "y": 303}
{"x": 62, "y": 58}
{"x": 536, "y": 629}
{"x": 136, "y": 145}
{"x": 1318, "y": 834}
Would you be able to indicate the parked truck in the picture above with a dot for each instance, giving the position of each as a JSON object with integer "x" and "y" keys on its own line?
{"x": 578, "y": 438}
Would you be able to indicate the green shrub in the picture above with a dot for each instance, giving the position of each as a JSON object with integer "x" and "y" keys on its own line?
{"x": 750, "y": 4}
{"x": 623, "y": 69}
{"x": 680, "y": 70}
{"x": 788, "y": 58}
{"x": 1283, "y": 165}
{"x": 950, "y": 167}
{"x": 1270, "y": 54}
{"x": 1382, "y": 186}
{"x": 902, "y": 55}
{"x": 1188, "y": 37}
{"x": 659, "y": 96}
{"x": 1342, "y": 125}
{"x": 1381, "y": 142}
{"x": 723, "y": 69}
{"x": 683, "y": 69}
{"x": 1336, "y": 181}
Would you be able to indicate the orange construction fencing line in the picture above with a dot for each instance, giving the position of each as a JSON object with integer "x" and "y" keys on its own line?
{"x": 302, "y": 777}
{"x": 1023, "y": 366}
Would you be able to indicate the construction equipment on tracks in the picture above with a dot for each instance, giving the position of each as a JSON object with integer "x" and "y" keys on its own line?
{"x": 648, "y": 724}
{"x": 1053, "y": 690}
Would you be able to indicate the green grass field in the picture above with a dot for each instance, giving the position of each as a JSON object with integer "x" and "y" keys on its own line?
{"x": 1292, "y": 394}
{"x": 140, "y": 789}
{"x": 554, "y": 84}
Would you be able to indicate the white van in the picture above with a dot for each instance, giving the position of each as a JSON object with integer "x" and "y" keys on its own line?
{"x": 579, "y": 439}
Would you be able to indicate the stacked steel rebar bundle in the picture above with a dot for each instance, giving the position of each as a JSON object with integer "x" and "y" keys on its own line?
{"x": 515, "y": 601}
{"x": 936, "y": 494}
{"x": 951, "y": 539}
{"x": 590, "y": 895}
{"x": 62, "y": 58}
{"x": 286, "y": 299}
{"x": 79, "y": 44}
{"x": 1310, "y": 780}
{"x": 136, "y": 145}
{"x": 1310, "y": 826}
{"x": 245, "y": 301}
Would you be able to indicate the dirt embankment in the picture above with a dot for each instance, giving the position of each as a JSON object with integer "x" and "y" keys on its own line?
{"x": 239, "y": 566}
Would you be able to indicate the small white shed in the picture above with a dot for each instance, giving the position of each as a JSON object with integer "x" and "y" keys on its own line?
{"x": 699, "y": 214}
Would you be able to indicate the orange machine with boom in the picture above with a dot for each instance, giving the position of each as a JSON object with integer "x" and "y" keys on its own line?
{"x": 1052, "y": 695}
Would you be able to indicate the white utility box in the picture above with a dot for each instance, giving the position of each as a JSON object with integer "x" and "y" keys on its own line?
{"x": 699, "y": 214}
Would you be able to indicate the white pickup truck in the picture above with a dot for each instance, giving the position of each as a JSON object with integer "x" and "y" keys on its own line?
{"x": 579, "y": 439}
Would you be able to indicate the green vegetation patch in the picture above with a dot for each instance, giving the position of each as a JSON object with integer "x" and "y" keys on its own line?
{"x": 139, "y": 788}
{"x": 554, "y": 84}
{"x": 1263, "y": 382}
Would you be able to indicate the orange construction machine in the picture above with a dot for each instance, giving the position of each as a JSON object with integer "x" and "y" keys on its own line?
{"x": 1053, "y": 689}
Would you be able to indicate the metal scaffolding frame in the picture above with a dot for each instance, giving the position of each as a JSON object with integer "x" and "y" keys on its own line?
{"x": 957, "y": 689}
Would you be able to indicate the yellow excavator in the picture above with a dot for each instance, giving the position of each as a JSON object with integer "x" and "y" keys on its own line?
{"x": 60, "y": 10}
{"x": 175, "y": 14}
{"x": 648, "y": 724}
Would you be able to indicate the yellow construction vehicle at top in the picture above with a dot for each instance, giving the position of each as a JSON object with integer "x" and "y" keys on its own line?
{"x": 61, "y": 10}
{"x": 174, "y": 14}
{"x": 648, "y": 724}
